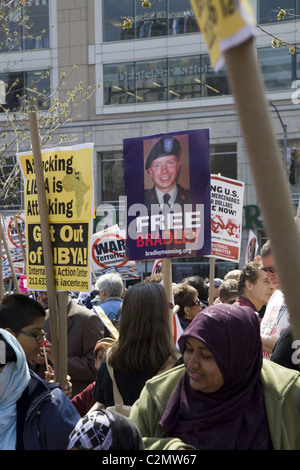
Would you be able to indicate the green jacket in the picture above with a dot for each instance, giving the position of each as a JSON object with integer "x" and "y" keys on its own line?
{"x": 280, "y": 385}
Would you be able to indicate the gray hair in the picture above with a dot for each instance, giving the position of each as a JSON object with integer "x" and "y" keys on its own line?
{"x": 111, "y": 284}
{"x": 266, "y": 249}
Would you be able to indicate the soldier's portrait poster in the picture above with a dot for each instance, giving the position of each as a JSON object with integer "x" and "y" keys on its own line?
{"x": 167, "y": 186}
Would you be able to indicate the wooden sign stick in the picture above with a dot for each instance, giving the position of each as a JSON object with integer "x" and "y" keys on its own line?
{"x": 12, "y": 269}
{"x": 211, "y": 289}
{"x": 1, "y": 274}
{"x": 46, "y": 241}
{"x": 20, "y": 239}
{"x": 167, "y": 280}
{"x": 245, "y": 79}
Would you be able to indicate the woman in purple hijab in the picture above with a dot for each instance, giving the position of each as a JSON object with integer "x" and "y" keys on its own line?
{"x": 219, "y": 402}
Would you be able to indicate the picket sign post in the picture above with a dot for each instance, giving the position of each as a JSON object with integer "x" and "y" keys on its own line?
{"x": 167, "y": 281}
{"x": 12, "y": 269}
{"x": 246, "y": 82}
{"x": 253, "y": 250}
{"x": 56, "y": 334}
{"x": 212, "y": 263}
{"x": 20, "y": 238}
{"x": 1, "y": 273}
{"x": 62, "y": 300}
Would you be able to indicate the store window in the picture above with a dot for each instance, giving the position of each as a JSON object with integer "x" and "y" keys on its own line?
{"x": 151, "y": 78}
{"x": 277, "y": 66}
{"x": 185, "y": 78}
{"x": 18, "y": 87}
{"x": 161, "y": 80}
{"x": 112, "y": 176}
{"x": 151, "y": 22}
{"x": 166, "y": 17}
{"x": 119, "y": 83}
{"x": 267, "y": 10}
{"x": 223, "y": 160}
{"x": 213, "y": 83}
{"x": 22, "y": 33}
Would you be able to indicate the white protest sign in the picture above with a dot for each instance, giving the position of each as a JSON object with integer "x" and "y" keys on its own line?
{"x": 226, "y": 217}
{"x": 108, "y": 253}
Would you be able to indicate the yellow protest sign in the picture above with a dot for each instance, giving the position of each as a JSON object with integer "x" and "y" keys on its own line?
{"x": 224, "y": 24}
{"x": 68, "y": 178}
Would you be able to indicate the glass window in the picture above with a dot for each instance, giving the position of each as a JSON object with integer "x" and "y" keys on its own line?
{"x": 119, "y": 83}
{"x": 276, "y": 65}
{"x": 181, "y": 18}
{"x": 37, "y": 36}
{"x": 213, "y": 83}
{"x": 151, "y": 80}
{"x": 165, "y": 17}
{"x": 297, "y": 58}
{"x": 33, "y": 86}
{"x": 19, "y": 33}
{"x": 14, "y": 90}
{"x": 267, "y": 10}
{"x": 112, "y": 176}
{"x": 162, "y": 79}
{"x": 113, "y": 12}
{"x": 184, "y": 78}
{"x": 12, "y": 198}
{"x": 224, "y": 160}
{"x": 151, "y": 22}
{"x": 38, "y": 88}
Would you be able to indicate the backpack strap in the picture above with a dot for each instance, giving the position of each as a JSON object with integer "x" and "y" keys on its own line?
{"x": 112, "y": 329}
{"x": 170, "y": 362}
{"x": 118, "y": 400}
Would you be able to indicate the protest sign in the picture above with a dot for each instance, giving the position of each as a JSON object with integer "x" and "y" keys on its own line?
{"x": 226, "y": 217}
{"x": 252, "y": 247}
{"x": 68, "y": 179}
{"x": 108, "y": 253}
{"x": 10, "y": 228}
{"x": 224, "y": 24}
{"x": 9, "y": 260}
{"x": 157, "y": 267}
{"x": 152, "y": 166}
{"x": 16, "y": 243}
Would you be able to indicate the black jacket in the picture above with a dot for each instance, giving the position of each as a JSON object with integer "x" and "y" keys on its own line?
{"x": 45, "y": 416}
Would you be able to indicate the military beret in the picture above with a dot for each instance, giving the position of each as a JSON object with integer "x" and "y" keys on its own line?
{"x": 164, "y": 147}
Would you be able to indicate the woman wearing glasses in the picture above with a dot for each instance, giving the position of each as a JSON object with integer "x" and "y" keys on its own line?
{"x": 42, "y": 415}
{"x": 186, "y": 297}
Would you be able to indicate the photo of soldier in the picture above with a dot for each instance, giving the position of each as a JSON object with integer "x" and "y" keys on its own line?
{"x": 164, "y": 165}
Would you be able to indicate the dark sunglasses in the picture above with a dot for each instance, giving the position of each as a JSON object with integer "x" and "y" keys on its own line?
{"x": 197, "y": 302}
{"x": 271, "y": 269}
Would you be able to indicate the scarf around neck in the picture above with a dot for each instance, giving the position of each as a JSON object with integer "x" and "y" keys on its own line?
{"x": 14, "y": 379}
{"x": 234, "y": 416}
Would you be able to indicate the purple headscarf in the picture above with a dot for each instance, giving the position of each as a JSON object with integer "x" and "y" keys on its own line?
{"x": 234, "y": 416}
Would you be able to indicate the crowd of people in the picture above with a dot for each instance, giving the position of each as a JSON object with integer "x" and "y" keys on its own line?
{"x": 233, "y": 382}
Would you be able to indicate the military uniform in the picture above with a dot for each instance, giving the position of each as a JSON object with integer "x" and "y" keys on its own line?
{"x": 166, "y": 146}
{"x": 183, "y": 196}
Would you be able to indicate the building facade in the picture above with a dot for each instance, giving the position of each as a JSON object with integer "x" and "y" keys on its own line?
{"x": 156, "y": 78}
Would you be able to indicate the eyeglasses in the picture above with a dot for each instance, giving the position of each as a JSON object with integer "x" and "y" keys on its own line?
{"x": 197, "y": 302}
{"x": 38, "y": 337}
{"x": 271, "y": 269}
